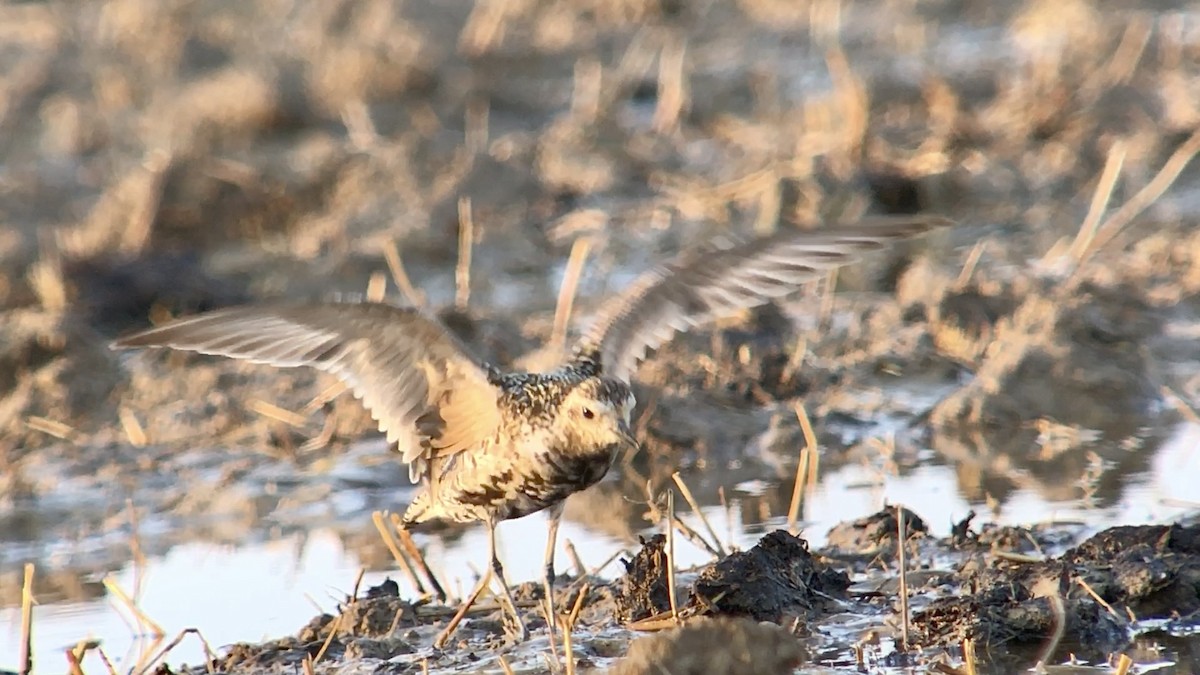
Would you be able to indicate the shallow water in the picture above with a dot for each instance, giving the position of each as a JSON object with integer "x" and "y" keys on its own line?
{"x": 268, "y": 589}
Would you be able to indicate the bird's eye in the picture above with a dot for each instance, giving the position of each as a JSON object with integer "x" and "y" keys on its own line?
{"x": 588, "y": 414}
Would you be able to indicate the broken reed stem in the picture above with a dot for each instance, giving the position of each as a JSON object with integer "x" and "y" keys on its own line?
{"x": 357, "y": 583}
{"x": 968, "y": 268}
{"x": 503, "y": 666}
{"x": 694, "y": 537}
{"x": 26, "y": 658}
{"x": 1124, "y": 663}
{"x": 144, "y": 657}
{"x": 111, "y": 585}
{"x": 902, "y": 559}
{"x": 391, "y": 254}
{"x": 410, "y": 547}
{"x": 568, "y": 289}
{"x": 1146, "y": 196}
{"x": 132, "y": 427}
{"x": 551, "y": 621}
{"x": 687, "y": 495}
{"x": 466, "y": 240}
{"x": 210, "y": 656}
{"x": 272, "y": 411}
{"x": 671, "y": 555}
{"x": 73, "y": 660}
{"x": 598, "y": 568}
{"x": 1087, "y": 587}
{"x": 806, "y": 469}
{"x": 1100, "y": 199}
{"x": 969, "y": 656}
{"x": 390, "y": 543}
{"x": 1060, "y": 624}
{"x": 576, "y": 561}
{"x": 333, "y": 628}
{"x": 108, "y": 664}
{"x": 135, "y": 550}
{"x": 568, "y": 626}
{"x": 324, "y": 396}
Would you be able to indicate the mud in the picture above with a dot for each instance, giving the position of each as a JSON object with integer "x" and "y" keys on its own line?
{"x": 1120, "y": 575}
{"x": 752, "y": 610}
{"x": 162, "y": 158}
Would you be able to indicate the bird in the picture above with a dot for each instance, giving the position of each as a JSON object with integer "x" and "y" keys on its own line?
{"x": 488, "y": 444}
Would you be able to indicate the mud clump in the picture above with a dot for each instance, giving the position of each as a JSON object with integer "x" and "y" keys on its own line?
{"x": 776, "y": 578}
{"x": 366, "y": 627}
{"x": 379, "y": 612}
{"x": 875, "y": 534}
{"x": 1151, "y": 571}
{"x": 1011, "y": 619}
{"x": 642, "y": 591}
{"x": 732, "y": 646}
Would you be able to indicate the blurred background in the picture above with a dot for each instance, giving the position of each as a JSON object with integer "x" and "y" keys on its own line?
{"x": 159, "y": 158}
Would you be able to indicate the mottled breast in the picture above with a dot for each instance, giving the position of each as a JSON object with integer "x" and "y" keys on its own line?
{"x": 554, "y": 477}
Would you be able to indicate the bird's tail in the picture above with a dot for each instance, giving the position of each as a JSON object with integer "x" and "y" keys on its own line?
{"x": 417, "y": 512}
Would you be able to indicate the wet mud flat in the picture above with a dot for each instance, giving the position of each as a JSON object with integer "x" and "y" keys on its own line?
{"x": 778, "y": 606}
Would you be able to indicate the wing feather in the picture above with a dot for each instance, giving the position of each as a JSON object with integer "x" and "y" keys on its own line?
{"x": 723, "y": 277}
{"x": 430, "y": 397}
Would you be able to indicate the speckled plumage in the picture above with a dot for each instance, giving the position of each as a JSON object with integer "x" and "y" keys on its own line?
{"x": 490, "y": 445}
{"x": 528, "y": 465}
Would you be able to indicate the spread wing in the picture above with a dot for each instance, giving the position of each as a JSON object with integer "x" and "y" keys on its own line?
{"x": 723, "y": 277}
{"x": 428, "y": 394}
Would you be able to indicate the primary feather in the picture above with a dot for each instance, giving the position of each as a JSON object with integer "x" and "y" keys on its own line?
{"x": 723, "y": 277}
{"x": 428, "y": 394}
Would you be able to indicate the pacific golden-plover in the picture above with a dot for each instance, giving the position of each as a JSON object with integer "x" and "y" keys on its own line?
{"x": 490, "y": 445}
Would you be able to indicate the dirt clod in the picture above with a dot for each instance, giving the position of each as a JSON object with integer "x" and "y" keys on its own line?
{"x": 1151, "y": 571}
{"x": 642, "y": 590}
{"x": 777, "y": 577}
{"x": 874, "y": 534}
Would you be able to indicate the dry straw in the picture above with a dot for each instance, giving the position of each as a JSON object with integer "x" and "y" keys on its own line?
{"x": 26, "y": 659}
{"x": 717, "y": 549}
{"x": 806, "y": 469}
{"x": 902, "y": 560}
{"x": 466, "y": 242}
{"x": 390, "y": 542}
{"x": 568, "y": 289}
{"x": 671, "y": 555}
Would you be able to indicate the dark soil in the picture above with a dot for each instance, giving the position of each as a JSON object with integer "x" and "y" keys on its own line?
{"x": 774, "y": 593}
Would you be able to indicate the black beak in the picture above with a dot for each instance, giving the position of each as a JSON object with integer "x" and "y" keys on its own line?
{"x": 626, "y": 435}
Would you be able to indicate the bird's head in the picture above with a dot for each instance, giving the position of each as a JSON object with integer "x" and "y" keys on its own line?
{"x": 595, "y": 414}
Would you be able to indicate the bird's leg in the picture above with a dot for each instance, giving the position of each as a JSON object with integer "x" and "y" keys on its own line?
{"x": 555, "y": 513}
{"x": 506, "y": 598}
{"x": 496, "y": 569}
